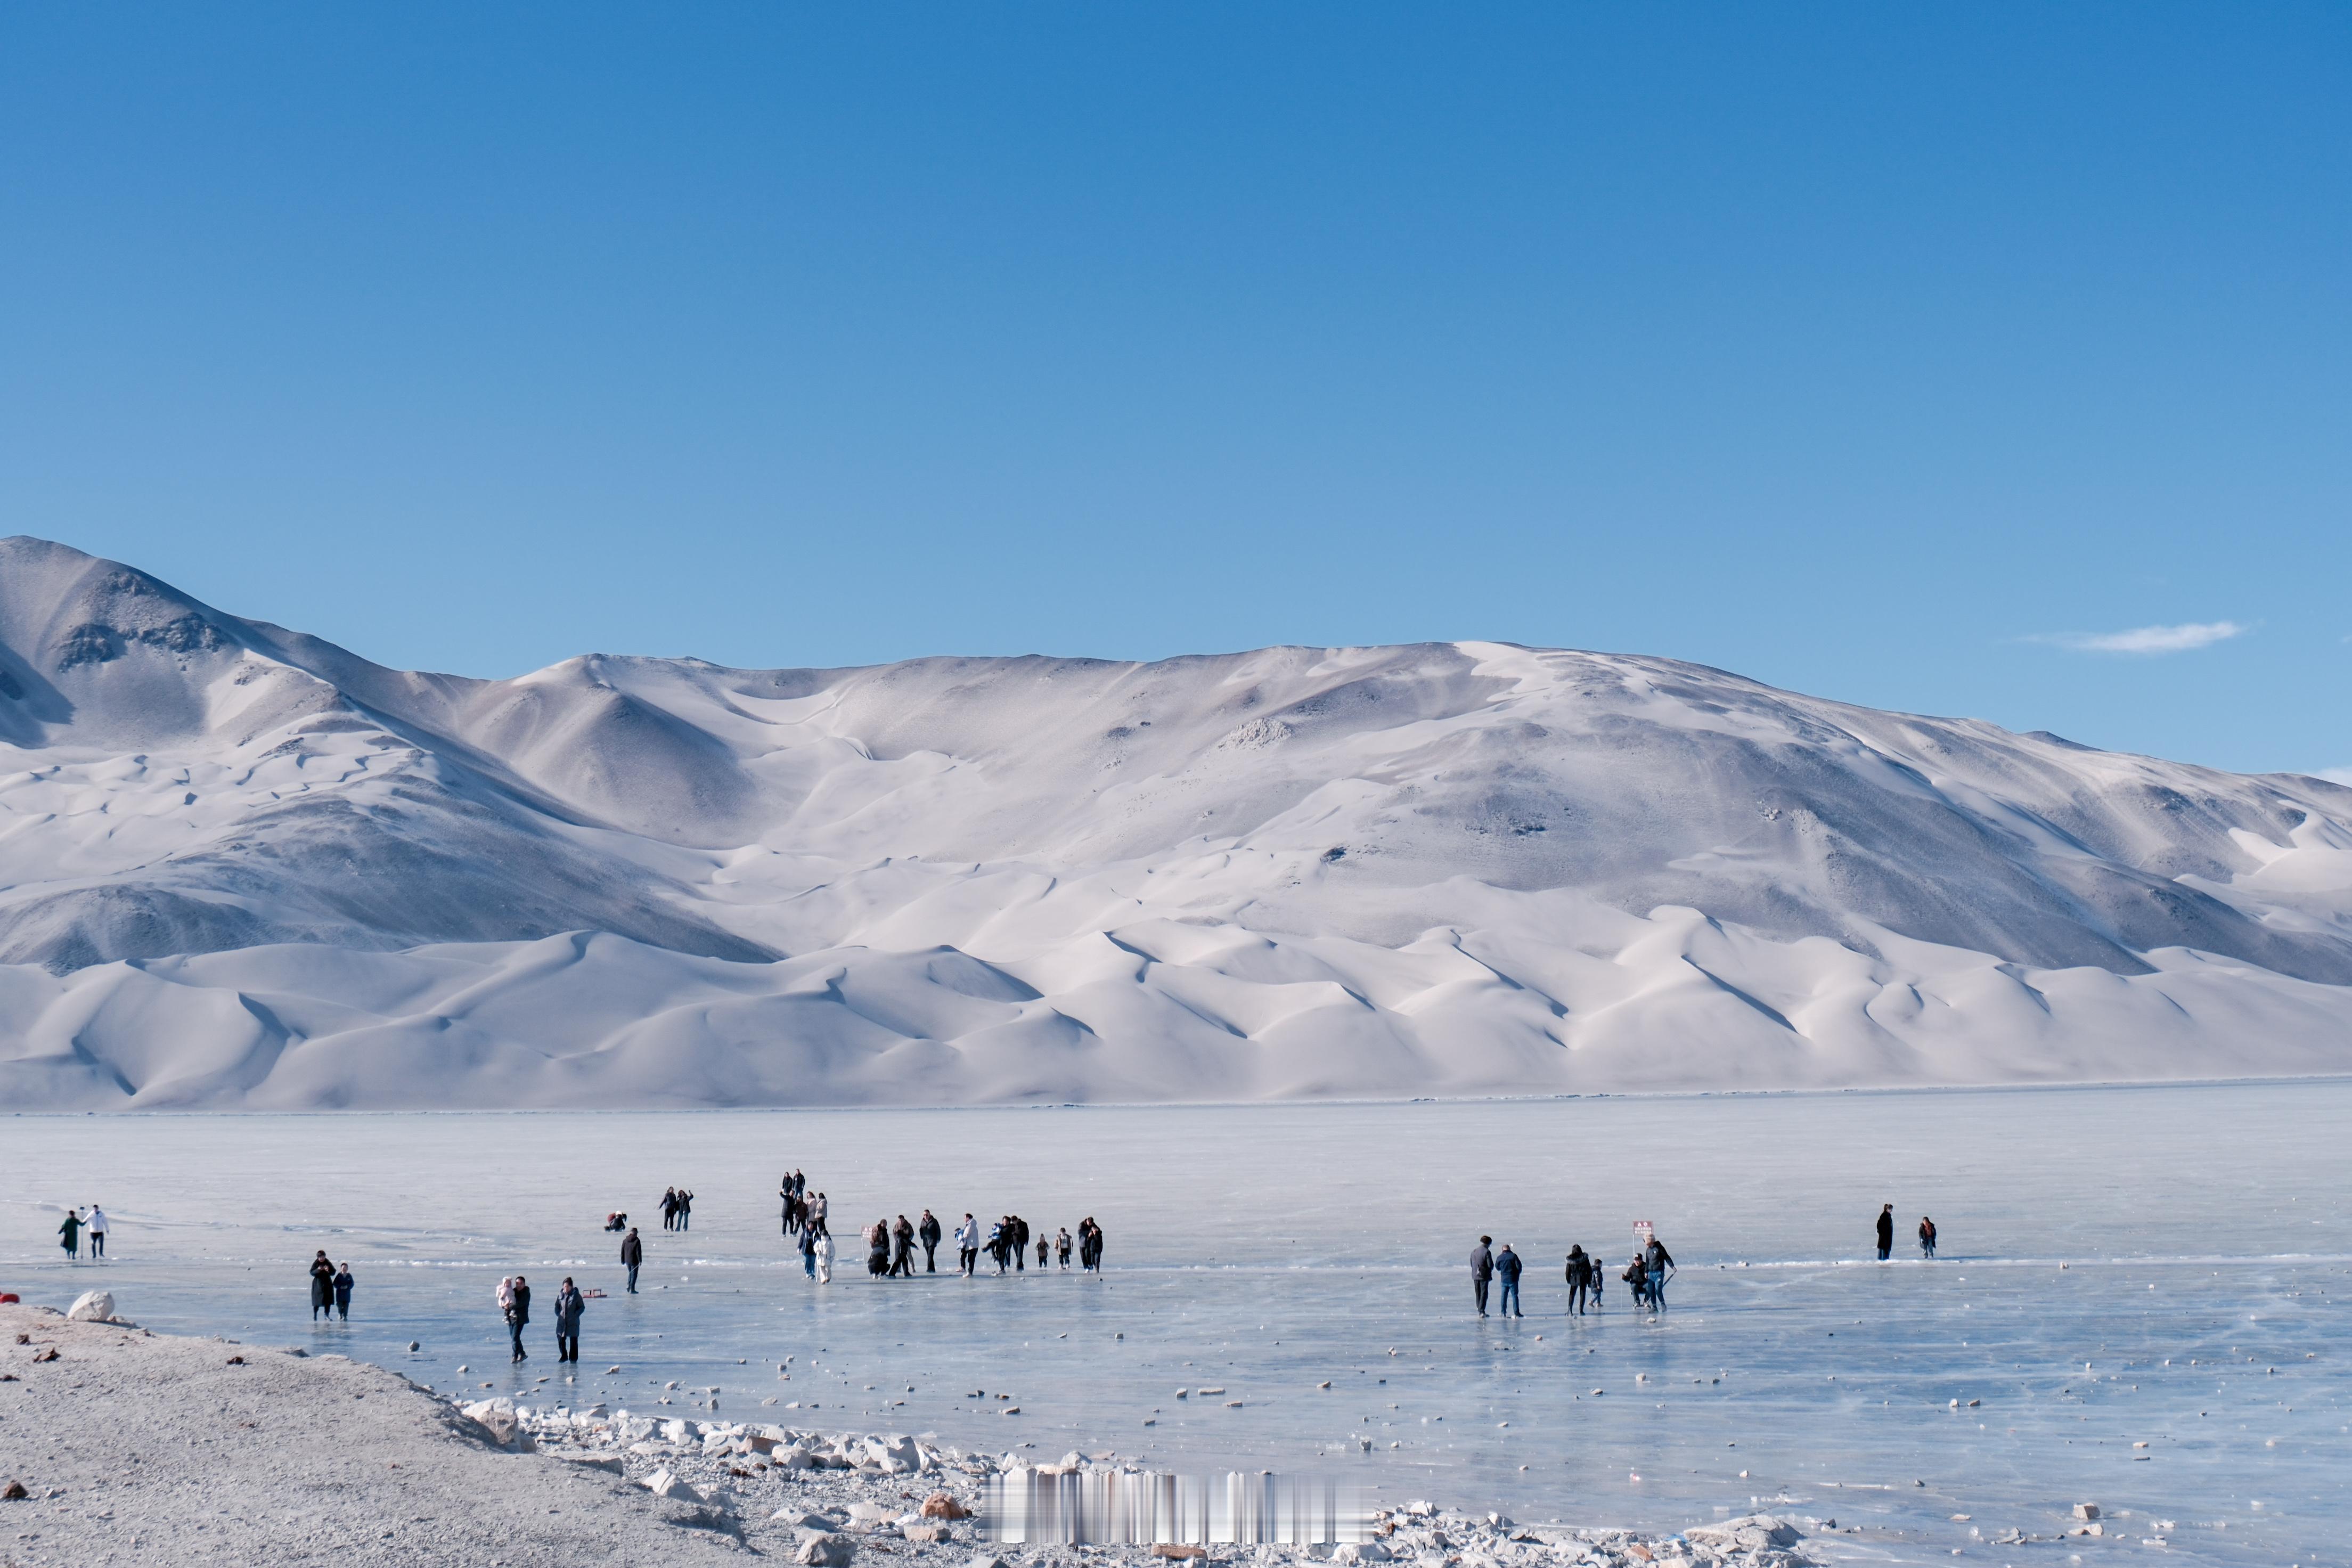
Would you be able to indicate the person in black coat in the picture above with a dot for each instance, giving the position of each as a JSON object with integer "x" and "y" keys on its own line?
{"x": 1506, "y": 1269}
{"x": 928, "y": 1230}
{"x": 518, "y": 1315}
{"x": 323, "y": 1287}
{"x": 1660, "y": 1262}
{"x": 1482, "y": 1270}
{"x": 1886, "y": 1231}
{"x": 1579, "y": 1280}
{"x": 569, "y": 1305}
{"x": 633, "y": 1253}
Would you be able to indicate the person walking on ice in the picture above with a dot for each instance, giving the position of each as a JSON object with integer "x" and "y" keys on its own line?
{"x": 927, "y": 1231}
{"x": 632, "y": 1255}
{"x": 967, "y": 1239}
{"x": 824, "y": 1258}
{"x": 1506, "y": 1269}
{"x": 343, "y": 1287}
{"x": 95, "y": 1225}
{"x": 1927, "y": 1235}
{"x": 1482, "y": 1270}
{"x": 1660, "y": 1262}
{"x": 70, "y": 1235}
{"x": 323, "y": 1287}
{"x": 1886, "y": 1231}
{"x": 569, "y": 1305}
{"x": 1579, "y": 1280}
{"x": 514, "y": 1302}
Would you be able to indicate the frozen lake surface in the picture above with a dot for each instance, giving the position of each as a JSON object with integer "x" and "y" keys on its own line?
{"x": 2158, "y": 1266}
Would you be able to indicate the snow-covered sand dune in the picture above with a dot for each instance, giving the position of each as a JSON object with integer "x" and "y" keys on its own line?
{"x": 242, "y": 866}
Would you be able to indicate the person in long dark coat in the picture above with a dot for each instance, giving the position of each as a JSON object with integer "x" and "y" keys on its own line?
{"x": 569, "y": 1305}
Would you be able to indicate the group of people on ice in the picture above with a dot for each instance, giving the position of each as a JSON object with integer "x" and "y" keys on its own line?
{"x": 1887, "y": 1233}
{"x": 71, "y": 1233}
{"x": 803, "y": 1210}
{"x": 1007, "y": 1246}
{"x": 1645, "y": 1277}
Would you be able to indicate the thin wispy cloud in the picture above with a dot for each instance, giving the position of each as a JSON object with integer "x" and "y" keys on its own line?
{"x": 2181, "y": 638}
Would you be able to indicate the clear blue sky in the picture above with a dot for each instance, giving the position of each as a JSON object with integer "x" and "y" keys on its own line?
{"x": 1850, "y": 347}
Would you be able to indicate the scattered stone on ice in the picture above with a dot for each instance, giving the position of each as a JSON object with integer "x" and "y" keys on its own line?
{"x": 667, "y": 1484}
{"x": 14, "y": 1491}
{"x": 2086, "y": 1510}
{"x": 825, "y": 1552}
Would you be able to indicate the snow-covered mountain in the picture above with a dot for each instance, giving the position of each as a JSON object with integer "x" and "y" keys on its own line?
{"x": 242, "y": 866}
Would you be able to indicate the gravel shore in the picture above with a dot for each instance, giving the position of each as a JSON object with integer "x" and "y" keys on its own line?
{"x": 134, "y": 1447}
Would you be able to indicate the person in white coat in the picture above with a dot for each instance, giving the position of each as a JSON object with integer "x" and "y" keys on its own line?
{"x": 95, "y": 1225}
{"x": 823, "y": 1259}
{"x": 968, "y": 1244}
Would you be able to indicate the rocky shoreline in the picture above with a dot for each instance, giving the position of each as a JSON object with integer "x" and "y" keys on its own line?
{"x": 131, "y": 1447}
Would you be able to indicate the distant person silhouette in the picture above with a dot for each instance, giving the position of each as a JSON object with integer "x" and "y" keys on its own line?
{"x": 323, "y": 1287}
{"x": 1886, "y": 1231}
{"x": 569, "y": 1305}
{"x": 632, "y": 1253}
{"x": 1578, "y": 1273}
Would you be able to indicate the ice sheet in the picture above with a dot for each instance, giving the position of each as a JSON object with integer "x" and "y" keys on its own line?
{"x": 2090, "y": 1238}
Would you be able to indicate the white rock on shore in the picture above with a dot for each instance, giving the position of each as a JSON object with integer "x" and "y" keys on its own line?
{"x": 206, "y": 1449}
{"x": 92, "y": 1307}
